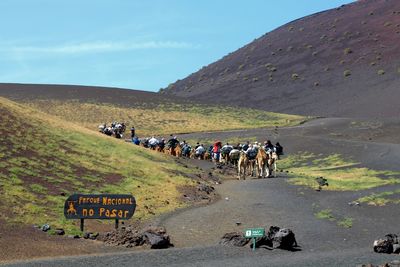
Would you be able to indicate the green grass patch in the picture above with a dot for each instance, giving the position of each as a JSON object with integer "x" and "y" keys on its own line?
{"x": 342, "y": 174}
{"x": 346, "y": 222}
{"x": 325, "y": 214}
{"x": 381, "y": 199}
{"x": 55, "y": 157}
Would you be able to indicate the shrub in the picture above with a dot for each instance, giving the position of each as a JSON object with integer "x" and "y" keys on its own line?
{"x": 373, "y": 63}
{"x": 272, "y": 69}
{"x": 381, "y": 72}
{"x": 245, "y": 78}
{"x": 268, "y": 65}
{"x": 322, "y": 37}
{"x": 387, "y": 24}
{"x": 271, "y": 79}
{"x": 301, "y": 29}
{"x": 363, "y": 22}
{"x": 346, "y": 73}
{"x": 241, "y": 66}
{"x": 347, "y": 51}
{"x": 291, "y": 28}
{"x": 342, "y": 62}
{"x": 290, "y": 48}
{"x": 378, "y": 57}
{"x": 316, "y": 84}
{"x": 371, "y": 13}
{"x": 327, "y": 69}
{"x": 314, "y": 54}
{"x": 295, "y": 76}
{"x": 255, "y": 79}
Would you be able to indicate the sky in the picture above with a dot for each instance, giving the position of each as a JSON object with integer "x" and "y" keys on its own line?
{"x": 135, "y": 44}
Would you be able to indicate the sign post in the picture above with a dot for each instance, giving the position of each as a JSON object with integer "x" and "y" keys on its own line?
{"x": 253, "y": 233}
{"x": 103, "y": 206}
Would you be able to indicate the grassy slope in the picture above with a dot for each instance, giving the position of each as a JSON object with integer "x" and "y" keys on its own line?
{"x": 342, "y": 174}
{"x": 165, "y": 118}
{"x": 42, "y": 156}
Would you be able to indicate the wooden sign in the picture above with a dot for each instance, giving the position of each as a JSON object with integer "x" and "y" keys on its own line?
{"x": 104, "y": 206}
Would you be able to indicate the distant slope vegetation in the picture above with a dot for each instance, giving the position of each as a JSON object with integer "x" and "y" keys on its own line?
{"x": 341, "y": 62}
{"x": 44, "y": 159}
{"x": 150, "y": 113}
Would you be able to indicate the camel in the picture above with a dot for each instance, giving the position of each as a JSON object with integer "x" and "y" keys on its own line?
{"x": 262, "y": 160}
{"x": 243, "y": 164}
{"x": 159, "y": 149}
{"x": 207, "y": 156}
{"x": 273, "y": 158}
{"x": 234, "y": 156}
{"x": 178, "y": 151}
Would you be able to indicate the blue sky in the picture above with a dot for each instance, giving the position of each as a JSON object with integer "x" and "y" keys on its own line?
{"x": 130, "y": 43}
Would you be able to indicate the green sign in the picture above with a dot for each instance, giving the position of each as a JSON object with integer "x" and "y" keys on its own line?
{"x": 254, "y": 232}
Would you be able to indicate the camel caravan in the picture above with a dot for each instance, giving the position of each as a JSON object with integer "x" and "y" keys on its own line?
{"x": 253, "y": 160}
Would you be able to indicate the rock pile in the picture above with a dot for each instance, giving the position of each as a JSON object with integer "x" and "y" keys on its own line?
{"x": 276, "y": 237}
{"x": 390, "y": 244}
{"x": 155, "y": 237}
{"x": 236, "y": 239}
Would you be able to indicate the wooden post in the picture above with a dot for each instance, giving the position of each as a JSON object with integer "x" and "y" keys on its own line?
{"x": 116, "y": 223}
{"x": 82, "y": 224}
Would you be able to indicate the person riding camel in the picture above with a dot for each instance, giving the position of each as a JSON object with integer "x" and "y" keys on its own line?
{"x": 226, "y": 149}
{"x": 251, "y": 152}
{"x": 153, "y": 142}
{"x": 173, "y": 142}
{"x": 217, "y": 150}
{"x": 246, "y": 146}
{"x": 268, "y": 146}
{"x": 200, "y": 150}
{"x": 161, "y": 144}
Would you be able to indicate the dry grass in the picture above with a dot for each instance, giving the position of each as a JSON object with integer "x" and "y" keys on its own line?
{"x": 165, "y": 119}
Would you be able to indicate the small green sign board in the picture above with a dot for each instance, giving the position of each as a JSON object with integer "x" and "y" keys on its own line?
{"x": 254, "y": 232}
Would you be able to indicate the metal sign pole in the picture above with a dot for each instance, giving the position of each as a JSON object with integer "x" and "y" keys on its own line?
{"x": 254, "y": 243}
{"x": 116, "y": 223}
{"x": 82, "y": 224}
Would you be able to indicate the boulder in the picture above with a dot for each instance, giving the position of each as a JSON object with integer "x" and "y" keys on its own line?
{"x": 156, "y": 237}
{"x": 284, "y": 239}
{"x": 388, "y": 245}
{"x": 276, "y": 237}
{"x": 236, "y": 239}
{"x": 383, "y": 246}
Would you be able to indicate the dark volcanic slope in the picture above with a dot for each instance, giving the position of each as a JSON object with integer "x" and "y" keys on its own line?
{"x": 123, "y": 97}
{"x": 341, "y": 62}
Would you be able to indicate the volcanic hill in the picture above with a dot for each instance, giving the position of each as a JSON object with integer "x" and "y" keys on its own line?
{"x": 340, "y": 62}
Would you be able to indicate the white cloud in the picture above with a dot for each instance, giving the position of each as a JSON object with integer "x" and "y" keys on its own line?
{"x": 99, "y": 47}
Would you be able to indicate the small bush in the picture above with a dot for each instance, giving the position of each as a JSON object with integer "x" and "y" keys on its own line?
{"x": 290, "y": 48}
{"x": 346, "y": 73}
{"x": 378, "y": 57}
{"x": 291, "y": 28}
{"x": 316, "y": 84}
{"x": 327, "y": 69}
{"x": 381, "y": 72}
{"x": 271, "y": 79}
{"x": 347, "y": 51}
{"x": 301, "y": 29}
{"x": 371, "y": 13}
{"x": 342, "y": 62}
{"x": 255, "y": 79}
{"x": 245, "y": 78}
{"x": 315, "y": 53}
{"x": 387, "y": 24}
{"x": 241, "y": 67}
{"x": 295, "y": 76}
{"x": 363, "y": 22}
{"x": 373, "y": 63}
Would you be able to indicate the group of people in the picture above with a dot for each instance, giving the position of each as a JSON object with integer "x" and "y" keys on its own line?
{"x": 216, "y": 152}
{"x": 116, "y": 129}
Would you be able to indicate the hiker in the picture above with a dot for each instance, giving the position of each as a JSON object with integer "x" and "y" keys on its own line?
{"x": 132, "y": 132}
{"x": 278, "y": 149}
{"x": 251, "y": 152}
{"x": 186, "y": 148}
